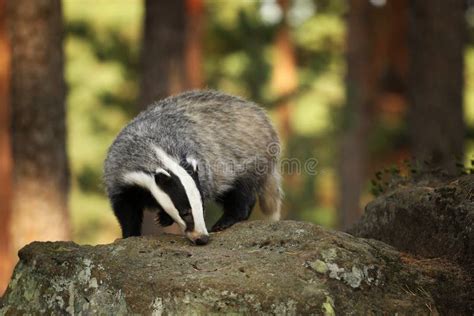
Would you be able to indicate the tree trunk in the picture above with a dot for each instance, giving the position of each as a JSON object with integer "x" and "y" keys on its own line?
{"x": 357, "y": 113}
{"x": 437, "y": 37}
{"x": 284, "y": 82}
{"x": 6, "y": 262}
{"x": 163, "y": 68}
{"x": 194, "y": 34}
{"x": 377, "y": 62}
{"x": 41, "y": 174}
{"x": 284, "y": 77}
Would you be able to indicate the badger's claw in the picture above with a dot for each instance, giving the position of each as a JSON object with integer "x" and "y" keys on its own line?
{"x": 223, "y": 223}
{"x": 218, "y": 228}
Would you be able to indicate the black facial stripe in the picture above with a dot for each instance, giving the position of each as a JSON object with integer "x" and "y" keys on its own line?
{"x": 141, "y": 199}
{"x": 173, "y": 187}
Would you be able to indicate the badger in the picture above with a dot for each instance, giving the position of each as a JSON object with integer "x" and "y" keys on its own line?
{"x": 190, "y": 148}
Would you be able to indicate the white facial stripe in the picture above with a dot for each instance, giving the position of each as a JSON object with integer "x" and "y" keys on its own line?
{"x": 189, "y": 186}
{"x": 163, "y": 171}
{"x": 146, "y": 181}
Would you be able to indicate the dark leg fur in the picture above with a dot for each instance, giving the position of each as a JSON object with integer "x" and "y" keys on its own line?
{"x": 237, "y": 203}
{"x": 128, "y": 207}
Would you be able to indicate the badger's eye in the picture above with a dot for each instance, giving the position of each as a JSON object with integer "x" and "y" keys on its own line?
{"x": 186, "y": 215}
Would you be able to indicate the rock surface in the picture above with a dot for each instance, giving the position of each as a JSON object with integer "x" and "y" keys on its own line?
{"x": 430, "y": 220}
{"x": 254, "y": 267}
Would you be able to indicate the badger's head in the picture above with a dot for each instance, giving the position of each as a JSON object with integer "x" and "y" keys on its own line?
{"x": 176, "y": 189}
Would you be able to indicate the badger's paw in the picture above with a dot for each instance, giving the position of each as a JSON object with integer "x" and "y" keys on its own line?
{"x": 224, "y": 223}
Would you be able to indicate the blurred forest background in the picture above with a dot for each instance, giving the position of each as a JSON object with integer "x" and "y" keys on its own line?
{"x": 360, "y": 85}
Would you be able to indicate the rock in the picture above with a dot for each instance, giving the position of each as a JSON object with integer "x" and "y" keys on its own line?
{"x": 252, "y": 268}
{"x": 432, "y": 220}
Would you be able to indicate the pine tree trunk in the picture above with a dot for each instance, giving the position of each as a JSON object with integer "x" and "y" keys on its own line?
{"x": 163, "y": 68}
{"x": 284, "y": 76}
{"x": 353, "y": 162}
{"x": 194, "y": 34}
{"x": 437, "y": 32}
{"x": 284, "y": 81}
{"x": 377, "y": 62}
{"x": 41, "y": 174}
{"x": 6, "y": 258}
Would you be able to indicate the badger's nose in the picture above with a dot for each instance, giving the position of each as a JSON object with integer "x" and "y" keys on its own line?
{"x": 202, "y": 240}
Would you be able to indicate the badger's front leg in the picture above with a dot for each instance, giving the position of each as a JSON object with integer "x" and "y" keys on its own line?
{"x": 128, "y": 206}
{"x": 237, "y": 203}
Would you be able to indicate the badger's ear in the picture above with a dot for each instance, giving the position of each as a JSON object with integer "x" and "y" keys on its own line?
{"x": 193, "y": 162}
{"x": 162, "y": 176}
{"x": 190, "y": 165}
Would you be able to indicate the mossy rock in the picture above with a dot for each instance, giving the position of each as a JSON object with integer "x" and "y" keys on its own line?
{"x": 284, "y": 268}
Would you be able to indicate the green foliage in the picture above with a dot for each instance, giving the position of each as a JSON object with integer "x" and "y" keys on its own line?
{"x": 469, "y": 92}
{"x": 236, "y": 49}
{"x": 101, "y": 46}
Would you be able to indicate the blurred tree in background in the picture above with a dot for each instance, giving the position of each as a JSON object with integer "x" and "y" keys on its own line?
{"x": 284, "y": 81}
{"x": 163, "y": 67}
{"x": 373, "y": 121}
{"x": 401, "y": 77}
{"x": 437, "y": 38}
{"x": 194, "y": 36}
{"x": 40, "y": 173}
{"x": 6, "y": 253}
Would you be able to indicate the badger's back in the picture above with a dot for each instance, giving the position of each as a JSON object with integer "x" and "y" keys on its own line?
{"x": 230, "y": 137}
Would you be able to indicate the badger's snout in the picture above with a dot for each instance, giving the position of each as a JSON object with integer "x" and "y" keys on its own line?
{"x": 197, "y": 238}
{"x": 202, "y": 240}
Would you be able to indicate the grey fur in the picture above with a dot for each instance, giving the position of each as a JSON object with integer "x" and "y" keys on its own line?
{"x": 218, "y": 130}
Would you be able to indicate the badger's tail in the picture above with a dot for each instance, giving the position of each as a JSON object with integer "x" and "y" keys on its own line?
{"x": 270, "y": 195}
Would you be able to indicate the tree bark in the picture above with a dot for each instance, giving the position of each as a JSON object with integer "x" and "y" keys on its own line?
{"x": 194, "y": 34}
{"x": 284, "y": 76}
{"x": 41, "y": 173}
{"x": 377, "y": 66}
{"x": 163, "y": 67}
{"x": 357, "y": 113}
{"x": 284, "y": 82}
{"x": 437, "y": 37}
{"x": 6, "y": 262}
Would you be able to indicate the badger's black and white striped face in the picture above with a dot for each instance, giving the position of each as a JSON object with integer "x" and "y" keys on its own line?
{"x": 175, "y": 187}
